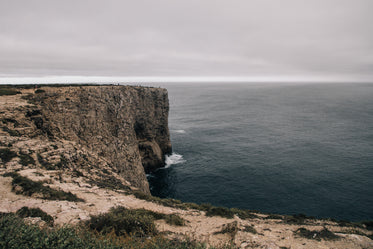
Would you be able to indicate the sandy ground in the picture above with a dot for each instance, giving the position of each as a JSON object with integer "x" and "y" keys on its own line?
{"x": 270, "y": 233}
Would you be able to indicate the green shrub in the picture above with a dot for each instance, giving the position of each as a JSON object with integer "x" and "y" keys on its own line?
{"x": 166, "y": 202}
{"x": 13, "y": 133}
{"x": 77, "y": 173}
{"x": 30, "y": 187}
{"x": 174, "y": 219}
{"x": 63, "y": 163}
{"x": 190, "y": 205}
{"x": 355, "y": 230}
{"x": 109, "y": 182}
{"x": 368, "y": 224}
{"x": 122, "y": 221}
{"x": 35, "y": 212}
{"x": 205, "y": 207}
{"x": 45, "y": 164}
{"x": 298, "y": 219}
{"x": 244, "y": 214}
{"x": 136, "y": 222}
{"x": 230, "y": 228}
{"x": 6, "y": 155}
{"x": 274, "y": 217}
{"x": 26, "y": 159}
{"x": 40, "y": 91}
{"x": 250, "y": 229}
{"x": 317, "y": 235}
{"x": 10, "y": 174}
{"x": 344, "y": 223}
{"x": 14, "y": 233}
{"x": 210, "y": 210}
{"x": 10, "y": 120}
{"x": 38, "y": 173}
{"x": 33, "y": 112}
{"x": 8, "y": 91}
{"x": 220, "y": 211}
{"x": 143, "y": 196}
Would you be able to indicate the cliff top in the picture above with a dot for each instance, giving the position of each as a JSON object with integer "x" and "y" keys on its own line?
{"x": 31, "y": 85}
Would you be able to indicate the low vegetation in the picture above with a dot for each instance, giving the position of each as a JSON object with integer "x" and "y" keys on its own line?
{"x": 230, "y": 228}
{"x": 121, "y": 221}
{"x": 35, "y": 212}
{"x": 10, "y": 120}
{"x": 174, "y": 219}
{"x": 274, "y": 217}
{"x": 45, "y": 164}
{"x": 6, "y": 155}
{"x": 77, "y": 173}
{"x": 324, "y": 234}
{"x": 208, "y": 208}
{"x": 368, "y": 224}
{"x": 244, "y": 214}
{"x": 7, "y": 90}
{"x": 250, "y": 229}
{"x": 109, "y": 182}
{"x": 25, "y": 186}
{"x": 39, "y": 91}
{"x": 165, "y": 202}
{"x": 26, "y": 159}
{"x": 298, "y": 219}
{"x": 14, "y": 233}
{"x": 63, "y": 163}
{"x": 13, "y": 133}
{"x": 355, "y": 230}
{"x": 133, "y": 222}
{"x": 220, "y": 211}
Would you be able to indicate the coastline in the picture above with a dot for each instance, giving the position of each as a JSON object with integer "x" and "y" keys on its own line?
{"x": 204, "y": 223}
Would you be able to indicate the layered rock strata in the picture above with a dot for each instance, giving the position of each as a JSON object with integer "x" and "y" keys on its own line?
{"x": 123, "y": 128}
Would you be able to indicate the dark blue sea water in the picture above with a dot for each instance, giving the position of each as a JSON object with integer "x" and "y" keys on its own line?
{"x": 277, "y": 148}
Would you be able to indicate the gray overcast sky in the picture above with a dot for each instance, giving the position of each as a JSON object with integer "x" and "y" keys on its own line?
{"x": 308, "y": 39}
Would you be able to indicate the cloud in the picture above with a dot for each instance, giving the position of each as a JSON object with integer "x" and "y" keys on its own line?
{"x": 187, "y": 38}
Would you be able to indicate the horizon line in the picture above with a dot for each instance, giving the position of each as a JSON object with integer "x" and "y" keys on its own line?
{"x": 172, "y": 79}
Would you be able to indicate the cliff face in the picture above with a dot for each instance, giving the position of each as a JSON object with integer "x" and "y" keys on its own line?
{"x": 126, "y": 127}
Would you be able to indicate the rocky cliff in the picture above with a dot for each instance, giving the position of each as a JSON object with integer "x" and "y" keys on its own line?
{"x": 121, "y": 128}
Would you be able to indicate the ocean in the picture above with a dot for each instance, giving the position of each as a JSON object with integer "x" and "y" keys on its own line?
{"x": 275, "y": 148}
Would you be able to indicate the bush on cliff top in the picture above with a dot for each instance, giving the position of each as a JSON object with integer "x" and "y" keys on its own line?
{"x": 134, "y": 222}
{"x": 26, "y": 159}
{"x": 6, "y": 155}
{"x": 6, "y": 90}
{"x": 13, "y": 133}
{"x": 324, "y": 234}
{"x": 26, "y": 186}
{"x": 45, "y": 164}
{"x": 220, "y": 211}
{"x": 39, "y": 91}
{"x": 35, "y": 212}
{"x": 14, "y": 233}
{"x": 208, "y": 208}
{"x": 122, "y": 221}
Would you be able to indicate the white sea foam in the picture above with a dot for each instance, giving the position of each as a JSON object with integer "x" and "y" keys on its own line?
{"x": 174, "y": 158}
{"x": 179, "y": 131}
